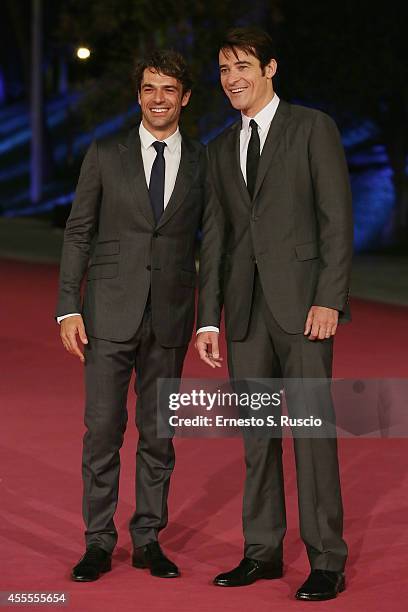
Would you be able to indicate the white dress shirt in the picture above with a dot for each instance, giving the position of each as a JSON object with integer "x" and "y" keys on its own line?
{"x": 172, "y": 156}
{"x": 264, "y": 120}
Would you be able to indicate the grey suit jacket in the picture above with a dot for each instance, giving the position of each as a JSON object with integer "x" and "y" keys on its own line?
{"x": 297, "y": 229}
{"x": 111, "y": 238}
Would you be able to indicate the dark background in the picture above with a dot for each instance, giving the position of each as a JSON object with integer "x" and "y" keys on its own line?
{"x": 347, "y": 58}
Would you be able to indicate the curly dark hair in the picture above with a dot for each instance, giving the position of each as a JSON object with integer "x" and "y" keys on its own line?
{"x": 166, "y": 61}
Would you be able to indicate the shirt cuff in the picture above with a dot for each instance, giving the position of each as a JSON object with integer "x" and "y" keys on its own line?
{"x": 208, "y": 328}
{"x": 72, "y": 314}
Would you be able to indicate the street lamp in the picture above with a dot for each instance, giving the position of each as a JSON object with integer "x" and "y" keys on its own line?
{"x": 83, "y": 53}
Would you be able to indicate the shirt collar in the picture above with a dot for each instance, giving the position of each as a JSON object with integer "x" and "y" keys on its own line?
{"x": 264, "y": 117}
{"x": 147, "y": 139}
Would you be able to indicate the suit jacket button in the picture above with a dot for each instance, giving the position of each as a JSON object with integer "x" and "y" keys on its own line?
{"x": 148, "y": 267}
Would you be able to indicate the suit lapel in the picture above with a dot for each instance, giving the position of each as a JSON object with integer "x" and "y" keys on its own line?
{"x": 184, "y": 180}
{"x": 133, "y": 168}
{"x": 270, "y": 147}
{"x": 234, "y": 151}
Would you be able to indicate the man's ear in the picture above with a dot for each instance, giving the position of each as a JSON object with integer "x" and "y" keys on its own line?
{"x": 138, "y": 98}
{"x": 271, "y": 68}
{"x": 186, "y": 98}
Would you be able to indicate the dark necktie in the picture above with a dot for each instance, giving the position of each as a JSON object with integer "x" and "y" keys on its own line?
{"x": 252, "y": 162}
{"x": 156, "y": 186}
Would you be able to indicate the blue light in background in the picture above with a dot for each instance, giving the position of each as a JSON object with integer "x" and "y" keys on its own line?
{"x": 375, "y": 156}
{"x": 13, "y": 171}
{"x": 373, "y": 195}
{"x": 372, "y": 186}
{"x": 359, "y": 134}
{"x": 371, "y": 175}
{"x": 62, "y": 200}
{"x": 55, "y": 112}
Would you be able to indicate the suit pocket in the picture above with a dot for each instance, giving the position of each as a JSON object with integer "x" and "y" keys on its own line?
{"x": 306, "y": 251}
{"x": 188, "y": 278}
{"x": 108, "y": 270}
{"x": 107, "y": 247}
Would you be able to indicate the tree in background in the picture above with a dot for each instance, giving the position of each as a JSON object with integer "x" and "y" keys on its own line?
{"x": 349, "y": 58}
{"x": 121, "y": 31}
{"x": 352, "y": 58}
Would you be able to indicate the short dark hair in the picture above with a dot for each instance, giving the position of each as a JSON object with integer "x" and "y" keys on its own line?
{"x": 166, "y": 61}
{"x": 253, "y": 41}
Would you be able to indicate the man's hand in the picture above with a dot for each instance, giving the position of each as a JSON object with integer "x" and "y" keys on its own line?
{"x": 321, "y": 322}
{"x": 207, "y": 347}
{"x": 70, "y": 327}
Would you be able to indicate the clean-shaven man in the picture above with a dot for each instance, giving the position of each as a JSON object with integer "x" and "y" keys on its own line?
{"x": 277, "y": 256}
{"x": 132, "y": 232}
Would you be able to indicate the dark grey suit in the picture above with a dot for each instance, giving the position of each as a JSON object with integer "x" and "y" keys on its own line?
{"x": 267, "y": 261}
{"x": 138, "y": 310}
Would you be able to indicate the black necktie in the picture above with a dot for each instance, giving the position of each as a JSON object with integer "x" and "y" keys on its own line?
{"x": 156, "y": 186}
{"x": 253, "y": 153}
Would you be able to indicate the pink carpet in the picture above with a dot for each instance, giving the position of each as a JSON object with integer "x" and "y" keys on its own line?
{"x": 41, "y": 527}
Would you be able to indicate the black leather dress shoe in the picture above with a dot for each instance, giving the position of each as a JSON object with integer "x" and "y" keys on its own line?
{"x": 95, "y": 562}
{"x": 249, "y": 571}
{"x": 152, "y": 556}
{"x": 321, "y": 585}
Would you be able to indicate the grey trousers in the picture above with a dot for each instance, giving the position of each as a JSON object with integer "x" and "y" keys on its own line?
{"x": 269, "y": 352}
{"x": 108, "y": 369}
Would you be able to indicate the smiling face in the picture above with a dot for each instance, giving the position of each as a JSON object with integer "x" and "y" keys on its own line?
{"x": 161, "y": 99}
{"x": 247, "y": 86}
